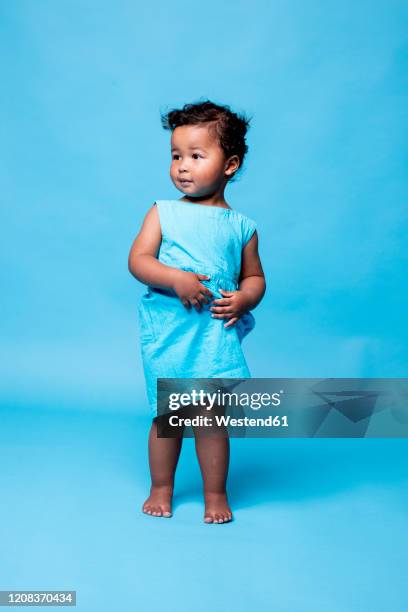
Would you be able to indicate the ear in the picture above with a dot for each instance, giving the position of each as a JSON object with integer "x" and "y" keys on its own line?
{"x": 231, "y": 165}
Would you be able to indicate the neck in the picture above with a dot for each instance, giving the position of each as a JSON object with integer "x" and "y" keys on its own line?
{"x": 211, "y": 199}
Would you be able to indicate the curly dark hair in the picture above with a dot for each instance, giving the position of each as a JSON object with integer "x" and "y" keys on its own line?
{"x": 228, "y": 127}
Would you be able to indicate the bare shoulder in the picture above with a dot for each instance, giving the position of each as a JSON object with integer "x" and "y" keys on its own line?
{"x": 250, "y": 260}
{"x": 151, "y": 221}
{"x": 152, "y": 215}
{"x": 148, "y": 240}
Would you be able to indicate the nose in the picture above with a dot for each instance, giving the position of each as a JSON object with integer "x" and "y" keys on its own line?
{"x": 183, "y": 166}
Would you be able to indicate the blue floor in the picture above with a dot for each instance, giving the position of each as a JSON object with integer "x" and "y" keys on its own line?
{"x": 319, "y": 524}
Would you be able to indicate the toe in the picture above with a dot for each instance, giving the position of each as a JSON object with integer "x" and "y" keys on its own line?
{"x": 208, "y": 518}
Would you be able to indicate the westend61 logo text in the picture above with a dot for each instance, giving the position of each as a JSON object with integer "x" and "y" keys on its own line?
{"x": 223, "y": 398}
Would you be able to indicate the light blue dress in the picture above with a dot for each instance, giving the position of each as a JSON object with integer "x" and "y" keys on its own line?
{"x": 177, "y": 342}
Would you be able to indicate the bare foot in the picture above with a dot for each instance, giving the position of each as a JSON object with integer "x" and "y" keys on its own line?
{"x": 217, "y": 509}
{"x": 159, "y": 501}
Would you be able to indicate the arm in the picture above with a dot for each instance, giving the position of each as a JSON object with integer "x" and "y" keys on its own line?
{"x": 145, "y": 266}
{"x": 251, "y": 287}
{"x": 142, "y": 262}
{"x": 252, "y": 279}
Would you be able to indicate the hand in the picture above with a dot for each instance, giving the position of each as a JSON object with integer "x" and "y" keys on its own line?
{"x": 233, "y": 304}
{"x": 189, "y": 289}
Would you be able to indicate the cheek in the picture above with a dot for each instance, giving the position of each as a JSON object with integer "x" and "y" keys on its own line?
{"x": 208, "y": 171}
{"x": 203, "y": 169}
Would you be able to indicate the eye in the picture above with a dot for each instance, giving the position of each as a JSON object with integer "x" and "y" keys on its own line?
{"x": 176, "y": 156}
{"x": 197, "y": 155}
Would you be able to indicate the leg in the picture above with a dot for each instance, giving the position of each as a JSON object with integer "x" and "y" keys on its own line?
{"x": 213, "y": 451}
{"x": 163, "y": 457}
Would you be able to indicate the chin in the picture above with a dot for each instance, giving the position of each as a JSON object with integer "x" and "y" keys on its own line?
{"x": 187, "y": 191}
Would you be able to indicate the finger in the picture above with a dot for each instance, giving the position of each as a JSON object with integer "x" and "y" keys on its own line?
{"x": 204, "y": 300}
{"x": 231, "y": 322}
{"x": 203, "y": 277}
{"x": 205, "y": 290}
{"x": 226, "y": 315}
{"x": 186, "y": 303}
{"x": 222, "y": 302}
{"x": 196, "y": 304}
{"x": 224, "y": 292}
{"x": 222, "y": 309}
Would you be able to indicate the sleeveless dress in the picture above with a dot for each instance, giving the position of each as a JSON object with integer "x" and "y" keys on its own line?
{"x": 177, "y": 342}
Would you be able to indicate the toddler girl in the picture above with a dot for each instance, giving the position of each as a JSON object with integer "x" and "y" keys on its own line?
{"x": 199, "y": 259}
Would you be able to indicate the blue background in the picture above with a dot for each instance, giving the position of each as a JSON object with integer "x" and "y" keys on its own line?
{"x": 83, "y": 158}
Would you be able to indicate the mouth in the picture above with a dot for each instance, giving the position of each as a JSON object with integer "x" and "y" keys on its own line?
{"x": 184, "y": 182}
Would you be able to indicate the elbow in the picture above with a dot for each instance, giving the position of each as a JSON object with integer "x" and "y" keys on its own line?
{"x": 133, "y": 264}
{"x": 137, "y": 264}
{"x": 262, "y": 287}
{"x": 130, "y": 264}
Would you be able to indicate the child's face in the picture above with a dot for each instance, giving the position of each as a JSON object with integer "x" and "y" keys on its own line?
{"x": 198, "y": 166}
